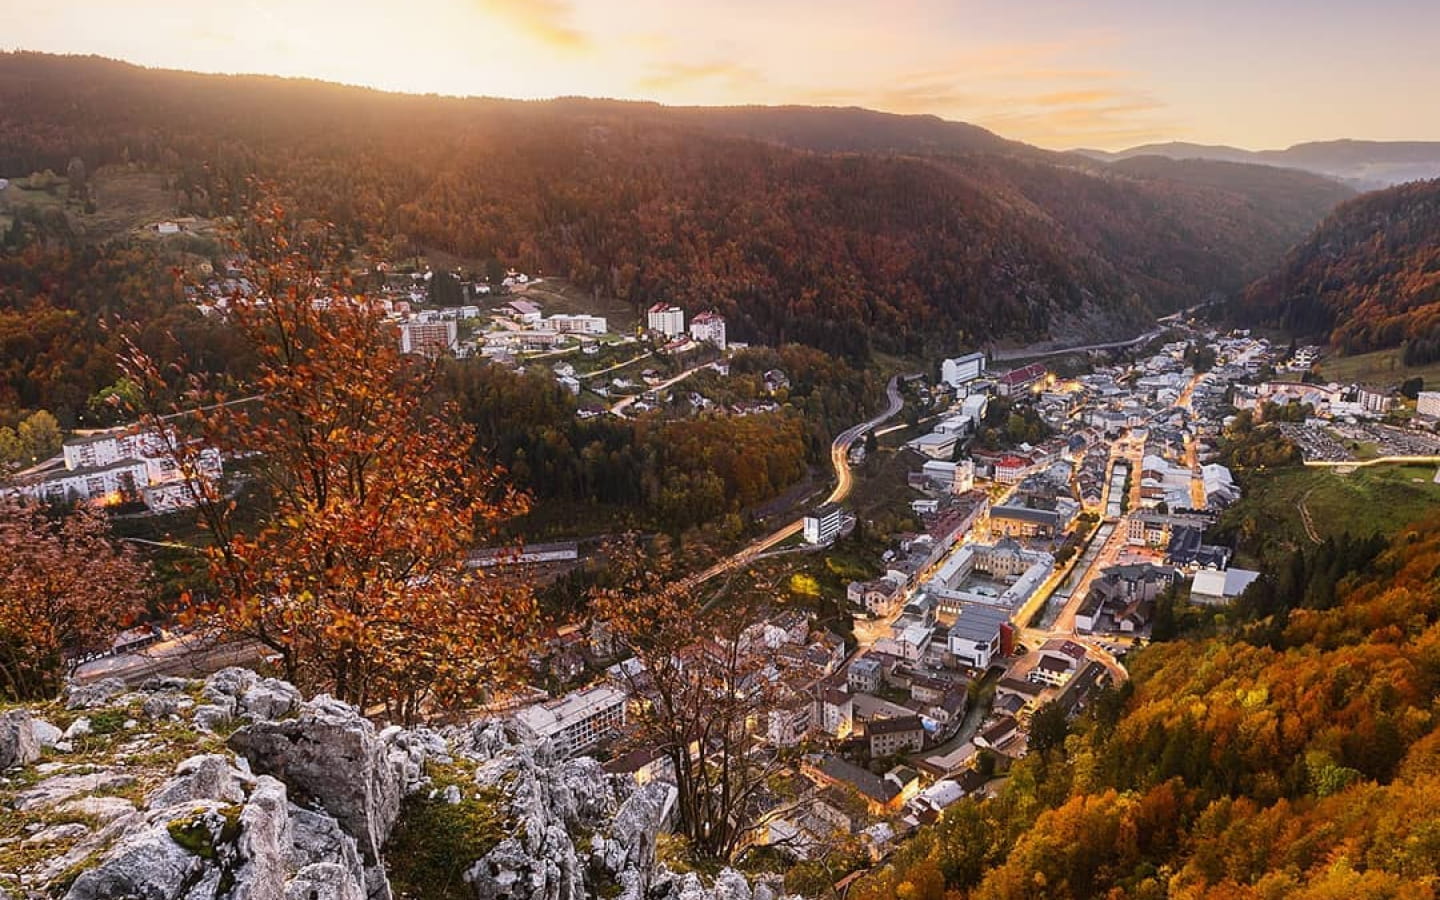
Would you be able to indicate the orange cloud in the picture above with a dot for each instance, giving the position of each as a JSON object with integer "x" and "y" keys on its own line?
{"x": 548, "y": 21}
{"x": 673, "y": 75}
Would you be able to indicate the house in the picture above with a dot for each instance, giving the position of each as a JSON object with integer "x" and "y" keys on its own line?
{"x": 789, "y": 721}
{"x": 644, "y": 764}
{"x": 1011, "y": 469}
{"x": 666, "y": 319}
{"x": 1026, "y": 692}
{"x": 776, "y": 380}
{"x": 999, "y": 734}
{"x": 708, "y": 327}
{"x": 881, "y": 796}
{"x": 823, "y": 525}
{"x": 837, "y": 713}
{"x": 522, "y": 311}
{"x": 1059, "y": 660}
{"x": 864, "y": 675}
{"x": 1017, "y": 381}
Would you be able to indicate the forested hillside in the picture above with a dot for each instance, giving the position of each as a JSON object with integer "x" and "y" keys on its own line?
{"x": 1295, "y": 753}
{"x": 967, "y": 238}
{"x": 1367, "y": 279}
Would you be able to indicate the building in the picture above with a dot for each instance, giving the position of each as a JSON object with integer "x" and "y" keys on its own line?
{"x": 1215, "y": 586}
{"x": 864, "y": 675}
{"x": 1428, "y": 404}
{"x": 962, "y": 369}
{"x": 563, "y": 323}
{"x": 428, "y": 339}
{"x": 837, "y": 714}
{"x": 119, "y": 466}
{"x": 1017, "y": 381}
{"x": 666, "y": 319}
{"x": 1059, "y": 660}
{"x": 522, "y": 311}
{"x": 888, "y": 737}
{"x": 1029, "y": 522}
{"x": 1011, "y": 469}
{"x": 709, "y": 326}
{"x": 577, "y": 721}
{"x": 935, "y": 445}
{"x": 980, "y": 636}
{"x": 823, "y": 525}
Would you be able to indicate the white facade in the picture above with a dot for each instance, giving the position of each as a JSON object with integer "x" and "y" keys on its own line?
{"x": 823, "y": 525}
{"x": 667, "y": 319}
{"x": 428, "y": 338}
{"x": 709, "y": 326}
{"x": 1428, "y": 404}
{"x": 578, "y": 324}
{"x": 962, "y": 369}
{"x": 577, "y": 721}
{"x": 116, "y": 466}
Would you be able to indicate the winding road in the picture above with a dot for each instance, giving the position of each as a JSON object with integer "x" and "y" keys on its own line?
{"x": 844, "y": 483}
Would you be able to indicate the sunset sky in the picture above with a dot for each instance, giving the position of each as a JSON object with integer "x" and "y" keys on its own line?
{"x": 1059, "y": 73}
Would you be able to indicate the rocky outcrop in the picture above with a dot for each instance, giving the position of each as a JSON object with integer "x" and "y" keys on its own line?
{"x": 299, "y": 802}
{"x": 579, "y": 832}
{"x": 19, "y": 744}
{"x": 332, "y": 755}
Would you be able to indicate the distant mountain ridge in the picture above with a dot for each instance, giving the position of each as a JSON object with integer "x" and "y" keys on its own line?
{"x": 1365, "y": 165}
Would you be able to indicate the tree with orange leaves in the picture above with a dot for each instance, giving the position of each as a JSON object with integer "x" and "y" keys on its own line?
{"x": 356, "y": 576}
{"x": 705, "y": 690}
{"x": 65, "y": 588}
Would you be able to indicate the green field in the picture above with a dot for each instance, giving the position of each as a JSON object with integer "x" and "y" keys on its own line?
{"x": 1380, "y": 367}
{"x": 1375, "y": 499}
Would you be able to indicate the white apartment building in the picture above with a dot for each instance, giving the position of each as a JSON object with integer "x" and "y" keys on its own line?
{"x": 962, "y": 369}
{"x": 576, "y": 722}
{"x": 667, "y": 319}
{"x": 429, "y": 339}
{"x": 1428, "y": 404}
{"x": 116, "y": 466}
{"x": 823, "y": 525}
{"x": 709, "y": 326}
{"x": 562, "y": 323}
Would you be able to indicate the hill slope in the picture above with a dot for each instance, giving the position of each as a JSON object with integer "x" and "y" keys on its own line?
{"x": 950, "y": 236}
{"x": 1368, "y": 278}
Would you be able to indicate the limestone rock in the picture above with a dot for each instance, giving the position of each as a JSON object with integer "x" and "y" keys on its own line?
{"x": 56, "y": 834}
{"x": 78, "y": 729}
{"x": 48, "y": 735}
{"x": 270, "y": 698}
{"x": 330, "y": 753}
{"x": 18, "y": 742}
{"x": 164, "y": 704}
{"x": 105, "y": 809}
{"x": 323, "y": 881}
{"x": 206, "y": 777}
{"x": 60, "y": 788}
{"x": 211, "y": 717}
{"x": 146, "y": 863}
{"x": 98, "y": 693}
